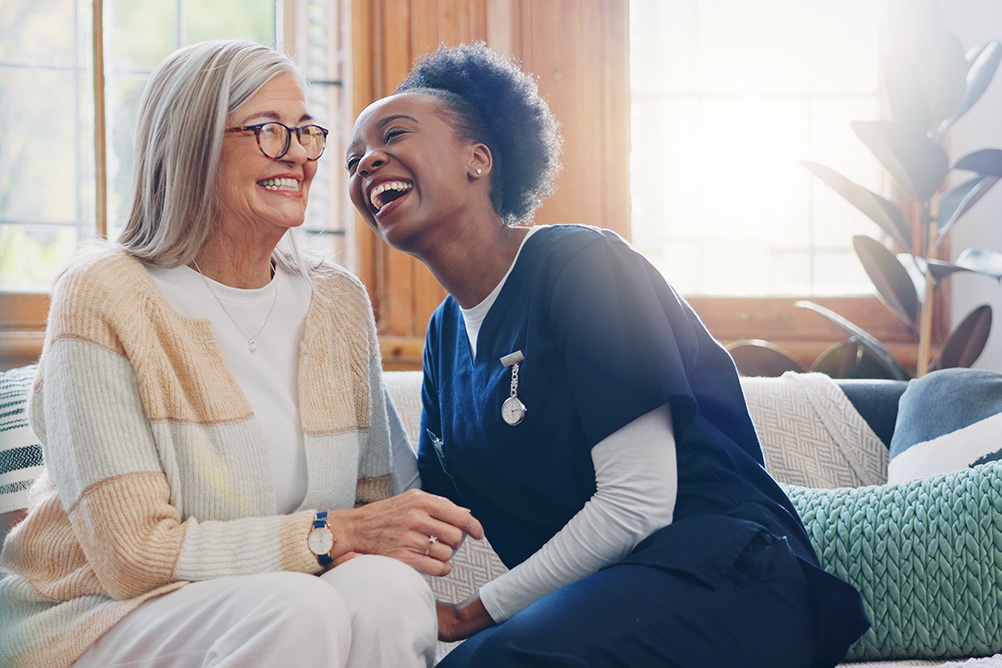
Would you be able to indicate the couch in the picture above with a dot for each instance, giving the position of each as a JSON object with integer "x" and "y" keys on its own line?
{"x": 926, "y": 553}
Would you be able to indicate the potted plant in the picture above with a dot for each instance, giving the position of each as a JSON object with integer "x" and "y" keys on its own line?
{"x": 926, "y": 98}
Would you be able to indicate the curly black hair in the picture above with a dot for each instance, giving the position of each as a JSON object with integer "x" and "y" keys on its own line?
{"x": 492, "y": 101}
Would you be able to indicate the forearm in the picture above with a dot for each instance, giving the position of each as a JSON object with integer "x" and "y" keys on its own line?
{"x": 636, "y": 483}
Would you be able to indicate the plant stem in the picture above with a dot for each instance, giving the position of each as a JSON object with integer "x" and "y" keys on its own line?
{"x": 925, "y": 325}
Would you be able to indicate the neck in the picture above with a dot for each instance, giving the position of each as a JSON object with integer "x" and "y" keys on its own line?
{"x": 235, "y": 266}
{"x": 475, "y": 260}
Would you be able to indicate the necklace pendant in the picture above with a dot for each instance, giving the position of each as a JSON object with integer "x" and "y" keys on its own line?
{"x": 251, "y": 346}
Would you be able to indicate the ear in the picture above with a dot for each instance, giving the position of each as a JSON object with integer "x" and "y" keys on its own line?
{"x": 480, "y": 162}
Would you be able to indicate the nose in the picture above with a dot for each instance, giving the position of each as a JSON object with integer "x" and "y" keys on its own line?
{"x": 371, "y": 161}
{"x": 297, "y": 152}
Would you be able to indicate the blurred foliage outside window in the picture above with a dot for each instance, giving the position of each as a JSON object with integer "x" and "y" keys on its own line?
{"x": 47, "y": 112}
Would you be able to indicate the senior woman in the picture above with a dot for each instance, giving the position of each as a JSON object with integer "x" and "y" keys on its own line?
{"x": 215, "y": 427}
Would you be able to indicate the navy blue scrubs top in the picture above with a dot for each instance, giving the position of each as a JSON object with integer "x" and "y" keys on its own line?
{"x": 606, "y": 340}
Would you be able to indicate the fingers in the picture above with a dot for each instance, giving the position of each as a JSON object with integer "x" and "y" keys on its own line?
{"x": 446, "y": 511}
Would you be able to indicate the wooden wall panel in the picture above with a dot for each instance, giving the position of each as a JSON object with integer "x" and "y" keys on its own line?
{"x": 578, "y": 49}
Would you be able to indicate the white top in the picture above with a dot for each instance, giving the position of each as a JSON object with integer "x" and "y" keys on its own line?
{"x": 636, "y": 481}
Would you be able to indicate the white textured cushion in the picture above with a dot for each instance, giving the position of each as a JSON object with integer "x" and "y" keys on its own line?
{"x": 811, "y": 434}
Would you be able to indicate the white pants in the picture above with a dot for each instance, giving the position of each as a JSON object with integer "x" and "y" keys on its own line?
{"x": 371, "y": 611}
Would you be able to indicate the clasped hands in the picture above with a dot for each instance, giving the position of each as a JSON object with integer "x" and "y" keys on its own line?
{"x": 420, "y": 529}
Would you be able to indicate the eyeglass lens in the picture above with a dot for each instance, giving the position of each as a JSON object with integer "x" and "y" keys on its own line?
{"x": 275, "y": 138}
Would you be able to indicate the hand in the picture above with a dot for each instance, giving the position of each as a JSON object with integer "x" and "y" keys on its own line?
{"x": 402, "y": 527}
{"x": 458, "y": 621}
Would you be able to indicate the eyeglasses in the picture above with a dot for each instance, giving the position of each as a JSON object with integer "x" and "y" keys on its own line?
{"x": 274, "y": 138}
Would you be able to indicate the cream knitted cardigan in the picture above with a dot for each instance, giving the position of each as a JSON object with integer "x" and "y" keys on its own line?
{"x": 156, "y": 470}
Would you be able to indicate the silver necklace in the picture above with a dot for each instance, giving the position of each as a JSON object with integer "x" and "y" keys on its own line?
{"x": 251, "y": 344}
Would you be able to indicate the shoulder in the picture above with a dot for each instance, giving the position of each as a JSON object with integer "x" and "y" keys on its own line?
{"x": 575, "y": 248}
{"x": 102, "y": 270}
{"x": 100, "y": 284}
{"x": 339, "y": 287}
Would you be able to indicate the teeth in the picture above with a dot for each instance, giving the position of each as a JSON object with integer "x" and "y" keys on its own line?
{"x": 375, "y": 193}
{"x": 279, "y": 184}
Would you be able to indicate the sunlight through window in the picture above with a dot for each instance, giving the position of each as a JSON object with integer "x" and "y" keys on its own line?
{"x": 727, "y": 98}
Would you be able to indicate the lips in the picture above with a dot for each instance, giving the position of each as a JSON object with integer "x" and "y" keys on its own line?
{"x": 382, "y": 194}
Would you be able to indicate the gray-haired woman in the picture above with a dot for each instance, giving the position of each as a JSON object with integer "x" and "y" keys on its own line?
{"x": 215, "y": 427}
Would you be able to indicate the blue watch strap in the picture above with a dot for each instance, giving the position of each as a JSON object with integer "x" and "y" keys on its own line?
{"x": 319, "y": 522}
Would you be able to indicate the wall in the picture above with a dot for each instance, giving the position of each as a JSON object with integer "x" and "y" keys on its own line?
{"x": 975, "y": 21}
{"x": 579, "y": 52}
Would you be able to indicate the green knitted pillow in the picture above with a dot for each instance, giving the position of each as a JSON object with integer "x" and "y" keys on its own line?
{"x": 925, "y": 554}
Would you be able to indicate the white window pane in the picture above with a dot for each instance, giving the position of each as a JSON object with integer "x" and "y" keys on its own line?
{"x": 37, "y": 177}
{"x": 224, "y": 19}
{"x": 42, "y": 32}
{"x": 758, "y": 47}
{"x": 728, "y": 98}
{"x": 669, "y": 29}
{"x": 31, "y": 255}
{"x": 139, "y": 33}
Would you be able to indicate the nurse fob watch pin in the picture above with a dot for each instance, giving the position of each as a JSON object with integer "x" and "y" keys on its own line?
{"x": 513, "y": 410}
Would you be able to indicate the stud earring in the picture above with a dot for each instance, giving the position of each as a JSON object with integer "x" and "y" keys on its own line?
{"x": 479, "y": 171}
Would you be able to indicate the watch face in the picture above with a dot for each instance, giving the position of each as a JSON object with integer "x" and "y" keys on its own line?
{"x": 512, "y": 411}
{"x": 321, "y": 541}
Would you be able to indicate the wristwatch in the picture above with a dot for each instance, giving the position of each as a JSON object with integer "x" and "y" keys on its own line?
{"x": 321, "y": 539}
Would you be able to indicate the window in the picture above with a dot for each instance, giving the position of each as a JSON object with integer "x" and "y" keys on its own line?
{"x": 57, "y": 191}
{"x": 728, "y": 97}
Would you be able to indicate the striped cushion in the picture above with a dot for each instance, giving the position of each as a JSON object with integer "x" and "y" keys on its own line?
{"x": 20, "y": 451}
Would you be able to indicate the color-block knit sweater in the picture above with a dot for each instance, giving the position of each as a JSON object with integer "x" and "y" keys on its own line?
{"x": 157, "y": 473}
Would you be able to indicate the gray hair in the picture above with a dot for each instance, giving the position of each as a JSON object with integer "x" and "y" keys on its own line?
{"x": 179, "y": 136}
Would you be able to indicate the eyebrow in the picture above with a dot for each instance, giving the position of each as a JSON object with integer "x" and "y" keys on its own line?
{"x": 382, "y": 122}
{"x": 389, "y": 119}
{"x": 273, "y": 115}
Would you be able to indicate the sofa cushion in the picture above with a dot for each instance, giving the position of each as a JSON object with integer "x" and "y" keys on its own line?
{"x": 20, "y": 451}
{"x": 811, "y": 434}
{"x": 926, "y": 556}
{"x": 947, "y": 420}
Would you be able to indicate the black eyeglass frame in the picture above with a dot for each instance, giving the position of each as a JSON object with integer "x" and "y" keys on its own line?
{"x": 256, "y": 129}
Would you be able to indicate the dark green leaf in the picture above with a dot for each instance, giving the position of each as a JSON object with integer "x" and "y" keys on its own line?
{"x": 916, "y": 162}
{"x": 916, "y": 267}
{"x": 982, "y": 61}
{"x": 966, "y": 342}
{"x": 874, "y": 346}
{"x": 984, "y": 262}
{"x": 755, "y": 357}
{"x": 987, "y": 162}
{"x": 894, "y": 286}
{"x": 881, "y": 211}
{"x": 849, "y": 359}
{"x": 958, "y": 200}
